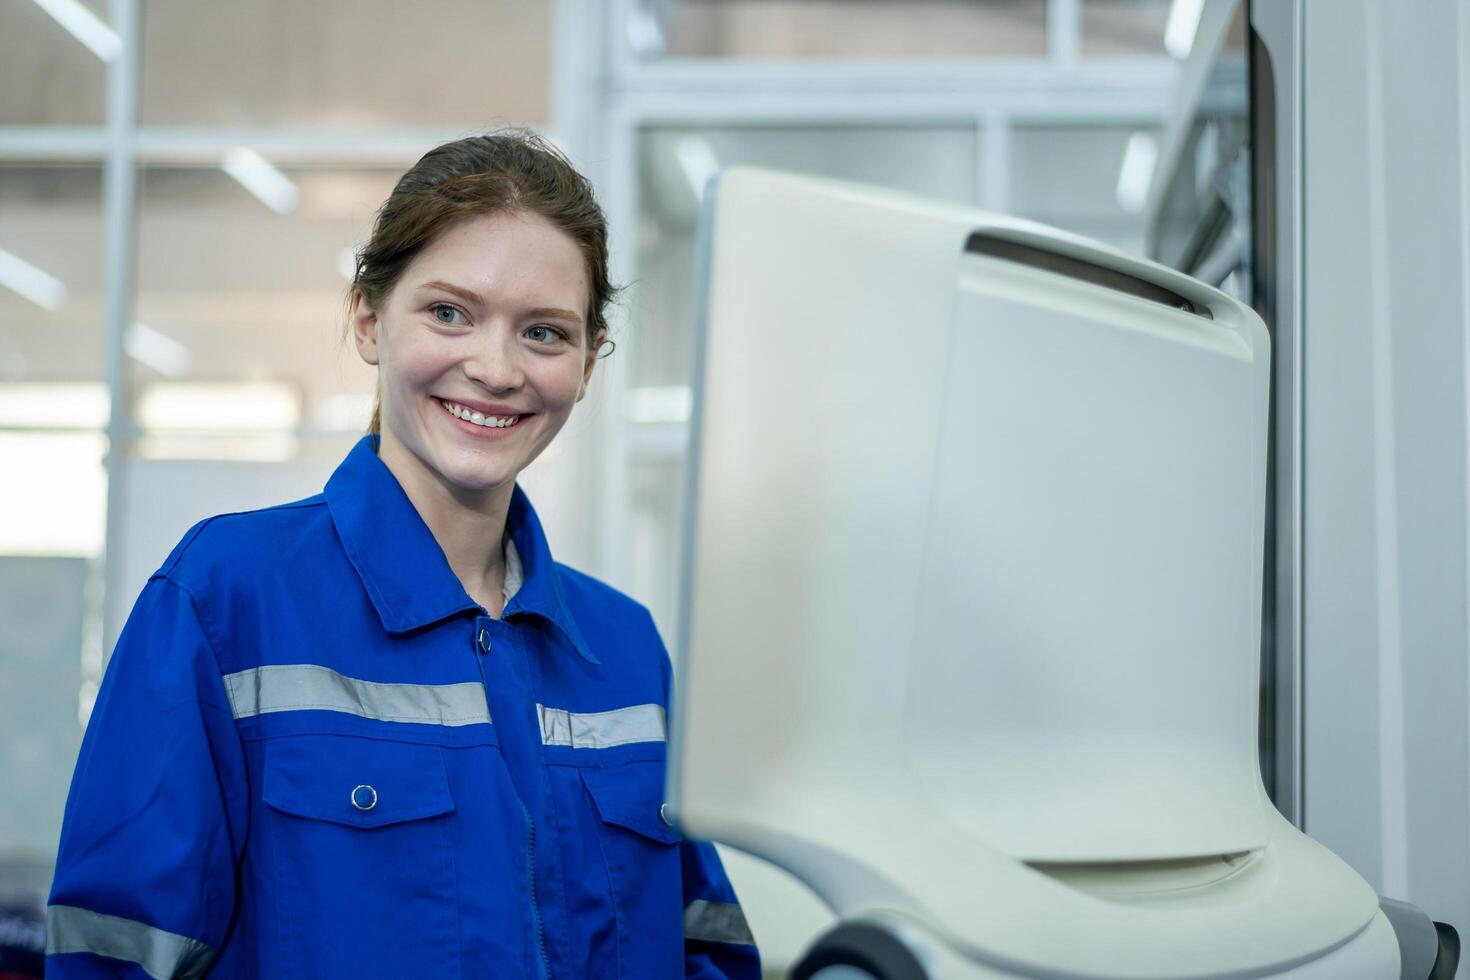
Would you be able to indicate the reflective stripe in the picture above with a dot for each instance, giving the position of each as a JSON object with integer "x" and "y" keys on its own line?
{"x": 716, "y": 922}
{"x": 307, "y": 687}
{"x": 161, "y": 954}
{"x": 602, "y": 729}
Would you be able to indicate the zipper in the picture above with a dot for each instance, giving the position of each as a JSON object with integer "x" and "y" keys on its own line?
{"x": 535, "y": 908}
{"x": 541, "y": 967}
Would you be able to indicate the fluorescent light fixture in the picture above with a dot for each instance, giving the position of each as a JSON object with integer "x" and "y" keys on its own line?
{"x": 225, "y": 407}
{"x": 698, "y": 161}
{"x": 260, "y": 177}
{"x": 343, "y": 413}
{"x": 41, "y": 288}
{"x": 347, "y": 263}
{"x": 1137, "y": 173}
{"x": 1181, "y": 27}
{"x": 645, "y": 31}
{"x": 265, "y": 447}
{"x": 31, "y": 405}
{"x": 157, "y": 350}
{"x": 85, "y": 26}
{"x": 660, "y": 404}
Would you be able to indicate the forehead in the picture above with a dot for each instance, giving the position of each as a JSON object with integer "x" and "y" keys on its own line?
{"x": 511, "y": 257}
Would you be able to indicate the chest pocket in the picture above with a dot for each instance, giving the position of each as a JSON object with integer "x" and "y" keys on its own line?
{"x": 361, "y": 845}
{"x": 642, "y": 866}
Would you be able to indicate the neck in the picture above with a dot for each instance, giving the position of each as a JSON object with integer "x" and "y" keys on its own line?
{"x": 469, "y": 525}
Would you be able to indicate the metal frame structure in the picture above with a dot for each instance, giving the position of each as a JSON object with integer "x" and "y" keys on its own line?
{"x": 603, "y": 96}
{"x": 613, "y": 95}
{"x": 122, "y": 146}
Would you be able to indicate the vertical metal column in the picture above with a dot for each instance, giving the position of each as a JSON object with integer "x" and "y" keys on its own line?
{"x": 119, "y": 192}
{"x": 1063, "y": 31}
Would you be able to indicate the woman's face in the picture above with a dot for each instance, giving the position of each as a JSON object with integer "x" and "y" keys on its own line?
{"x": 482, "y": 350}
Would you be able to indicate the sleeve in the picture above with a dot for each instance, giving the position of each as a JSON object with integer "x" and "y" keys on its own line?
{"x": 717, "y": 940}
{"x": 155, "y": 821}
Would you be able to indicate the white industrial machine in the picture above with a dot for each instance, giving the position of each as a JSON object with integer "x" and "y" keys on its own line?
{"x": 972, "y": 603}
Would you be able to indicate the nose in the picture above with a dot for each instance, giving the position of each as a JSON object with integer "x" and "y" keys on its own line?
{"x": 495, "y": 361}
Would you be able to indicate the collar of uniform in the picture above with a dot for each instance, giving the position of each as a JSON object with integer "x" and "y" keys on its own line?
{"x": 540, "y": 591}
{"x": 403, "y": 568}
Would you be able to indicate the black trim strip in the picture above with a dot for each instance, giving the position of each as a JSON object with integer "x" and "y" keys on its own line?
{"x": 980, "y": 243}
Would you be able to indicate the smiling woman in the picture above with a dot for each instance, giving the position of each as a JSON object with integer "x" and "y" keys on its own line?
{"x": 483, "y": 320}
{"x": 380, "y": 731}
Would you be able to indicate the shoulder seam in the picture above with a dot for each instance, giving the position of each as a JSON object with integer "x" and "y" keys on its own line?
{"x": 194, "y": 606}
{"x": 316, "y": 500}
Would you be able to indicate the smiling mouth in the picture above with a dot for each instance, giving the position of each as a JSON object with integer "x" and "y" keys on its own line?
{"x": 479, "y": 418}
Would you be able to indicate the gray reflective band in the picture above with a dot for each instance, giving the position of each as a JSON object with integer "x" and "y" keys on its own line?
{"x": 307, "y": 687}
{"x": 161, "y": 954}
{"x": 601, "y": 729}
{"x": 716, "y": 922}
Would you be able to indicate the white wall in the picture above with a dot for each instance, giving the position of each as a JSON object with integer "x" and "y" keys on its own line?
{"x": 1385, "y": 643}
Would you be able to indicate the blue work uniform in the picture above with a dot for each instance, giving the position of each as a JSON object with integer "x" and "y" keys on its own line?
{"x": 314, "y": 755}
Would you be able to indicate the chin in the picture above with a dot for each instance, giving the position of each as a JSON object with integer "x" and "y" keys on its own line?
{"x": 475, "y": 479}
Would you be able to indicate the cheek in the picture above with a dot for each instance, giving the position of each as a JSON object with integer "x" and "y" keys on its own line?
{"x": 562, "y": 386}
{"x": 410, "y": 368}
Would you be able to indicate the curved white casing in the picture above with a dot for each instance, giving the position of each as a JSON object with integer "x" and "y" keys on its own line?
{"x": 972, "y": 596}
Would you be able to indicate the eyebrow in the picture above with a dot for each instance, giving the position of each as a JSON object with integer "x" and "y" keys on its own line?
{"x": 554, "y": 312}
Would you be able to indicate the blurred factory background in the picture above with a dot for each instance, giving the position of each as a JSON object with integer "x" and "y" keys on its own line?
{"x": 170, "y": 346}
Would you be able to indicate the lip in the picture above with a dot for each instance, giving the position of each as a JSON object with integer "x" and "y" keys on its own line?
{"x": 484, "y": 408}
{"x": 481, "y": 431}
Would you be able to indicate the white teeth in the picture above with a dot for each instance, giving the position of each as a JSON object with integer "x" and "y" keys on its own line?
{"x": 478, "y": 418}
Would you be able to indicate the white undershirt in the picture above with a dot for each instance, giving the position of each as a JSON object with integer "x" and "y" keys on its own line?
{"x": 514, "y": 576}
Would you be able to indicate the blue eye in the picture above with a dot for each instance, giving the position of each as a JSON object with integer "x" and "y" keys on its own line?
{"x": 547, "y": 334}
{"x": 444, "y": 313}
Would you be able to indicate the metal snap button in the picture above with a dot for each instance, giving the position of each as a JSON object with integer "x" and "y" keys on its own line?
{"x": 364, "y": 797}
{"x": 484, "y": 639}
{"x": 663, "y": 814}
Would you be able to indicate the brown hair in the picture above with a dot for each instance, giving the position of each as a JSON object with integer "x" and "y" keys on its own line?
{"x": 507, "y": 170}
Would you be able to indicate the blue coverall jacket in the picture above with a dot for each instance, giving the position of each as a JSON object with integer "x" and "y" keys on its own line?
{"x": 314, "y": 755}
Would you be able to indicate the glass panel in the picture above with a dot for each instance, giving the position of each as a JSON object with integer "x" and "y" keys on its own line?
{"x": 658, "y": 502}
{"x": 50, "y": 274}
{"x": 1123, "y": 28}
{"x": 1067, "y": 177}
{"x": 838, "y": 29}
{"x": 345, "y": 63}
{"x": 239, "y": 344}
{"x": 53, "y": 407}
{"x": 47, "y": 75}
{"x": 53, "y": 401}
{"x": 42, "y": 610}
{"x": 674, "y": 164}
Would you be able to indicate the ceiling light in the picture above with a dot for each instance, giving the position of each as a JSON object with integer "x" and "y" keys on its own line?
{"x": 347, "y": 264}
{"x": 698, "y": 161}
{"x": 53, "y": 405}
{"x": 41, "y": 288}
{"x": 85, "y": 26}
{"x": 1181, "y": 27}
{"x": 257, "y": 406}
{"x": 260, "y": 177}
{"x": 157, "y": 350}
{"x": 1137, "y": 172}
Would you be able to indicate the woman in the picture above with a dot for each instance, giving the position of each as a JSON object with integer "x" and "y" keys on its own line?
{"x": 379, "y": 732}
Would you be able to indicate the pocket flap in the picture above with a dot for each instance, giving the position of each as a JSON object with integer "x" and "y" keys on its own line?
{"x": 358, "y": 782}
{"x": 630, "y": 795}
